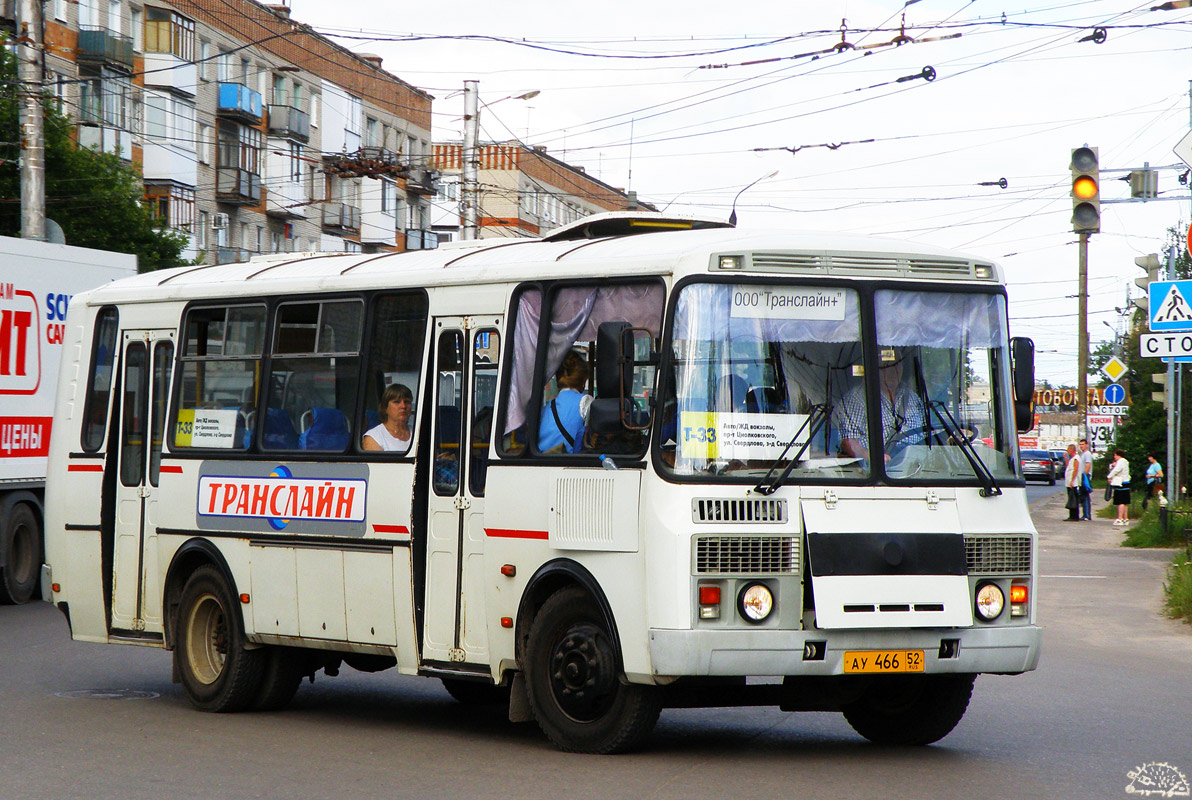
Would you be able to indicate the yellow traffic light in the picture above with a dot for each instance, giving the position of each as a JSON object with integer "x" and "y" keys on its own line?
{"x": 1086, "y": 190}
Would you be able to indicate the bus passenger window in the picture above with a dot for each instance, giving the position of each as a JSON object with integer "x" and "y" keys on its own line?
{"x": 313, "y": 376}
{"x": 393, "y": 372}
{"x": 525, "y": 346}
{"x": 217, "y": 382}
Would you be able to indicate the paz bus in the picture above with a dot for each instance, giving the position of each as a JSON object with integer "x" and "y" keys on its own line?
{"x": 754, "y": 511}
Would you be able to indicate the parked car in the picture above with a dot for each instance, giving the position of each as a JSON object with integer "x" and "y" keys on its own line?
{"x": 1037, "y": 464}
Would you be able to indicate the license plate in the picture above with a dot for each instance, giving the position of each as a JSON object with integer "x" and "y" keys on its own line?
{"x": 883, "y": 661}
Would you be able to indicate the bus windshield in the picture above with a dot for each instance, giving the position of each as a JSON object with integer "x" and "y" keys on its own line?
{"x": 755, "y": 367}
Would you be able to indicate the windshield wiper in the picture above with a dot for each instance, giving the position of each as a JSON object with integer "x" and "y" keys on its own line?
{"x": 989, "y": 485}
{"x": 815, "y": 420}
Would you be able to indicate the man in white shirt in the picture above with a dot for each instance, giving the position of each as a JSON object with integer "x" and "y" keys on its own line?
{"x": 1086, "y": 466}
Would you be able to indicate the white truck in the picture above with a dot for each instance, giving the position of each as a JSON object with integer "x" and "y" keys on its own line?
{"x": 37, "y": 281}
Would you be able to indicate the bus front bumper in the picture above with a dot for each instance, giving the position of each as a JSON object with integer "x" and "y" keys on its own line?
{"x": 1005, "y": 650}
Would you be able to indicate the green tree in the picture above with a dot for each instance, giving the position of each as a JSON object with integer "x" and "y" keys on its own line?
{"x": 96, "y": 198}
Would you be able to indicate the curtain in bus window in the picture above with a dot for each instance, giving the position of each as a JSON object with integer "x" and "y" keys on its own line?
{"x": 936, "y": 319}
{"x": 576, "y": 314}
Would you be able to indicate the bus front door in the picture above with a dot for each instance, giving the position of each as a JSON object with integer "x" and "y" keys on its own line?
{"x": 148, "y": 359}
{"x": 467, "y": 352}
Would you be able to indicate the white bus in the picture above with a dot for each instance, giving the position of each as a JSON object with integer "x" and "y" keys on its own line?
{"x": 723, "y": 527}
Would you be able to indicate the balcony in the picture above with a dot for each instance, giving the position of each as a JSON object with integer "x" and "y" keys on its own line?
{"x": 341, "y": 216}
{"x": 106, "y": 139}
{"x": 238, "y": 186}
{"x": 421, "y": 240}
{"x": 168, "y": 71}
{"x": 237, "y": 101}
{"x": 421, "y": 180}
{"x": 289, "y": 123}
{"x": 102, "y": 46}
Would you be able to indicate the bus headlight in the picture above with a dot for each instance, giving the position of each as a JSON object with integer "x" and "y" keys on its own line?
{"x": 990, "y": 601}
{"x": 755, "y": 602}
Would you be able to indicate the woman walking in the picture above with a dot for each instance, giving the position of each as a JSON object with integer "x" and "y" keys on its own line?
{"x": 1119, "y": 479}
{"x": 1154, "y": 479}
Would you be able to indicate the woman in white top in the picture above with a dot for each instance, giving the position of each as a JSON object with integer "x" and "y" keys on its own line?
{"x": 393, "y": 435}
{"x": 1119, "y": 479}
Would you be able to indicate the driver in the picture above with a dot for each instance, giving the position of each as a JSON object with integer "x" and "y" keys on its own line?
{"x": 904, "y": 419}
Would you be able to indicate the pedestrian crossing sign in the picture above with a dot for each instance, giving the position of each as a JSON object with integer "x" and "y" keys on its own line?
{"x": 1169, "y": 306}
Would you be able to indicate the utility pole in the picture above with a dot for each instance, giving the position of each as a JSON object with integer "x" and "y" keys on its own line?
{"x": 29, "y": 80}
{"x": 469, "y": 195}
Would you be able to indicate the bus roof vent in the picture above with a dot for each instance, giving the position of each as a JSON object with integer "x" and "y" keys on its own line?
{"x": 629, "y": 223}
{"x": 875, "y": 265}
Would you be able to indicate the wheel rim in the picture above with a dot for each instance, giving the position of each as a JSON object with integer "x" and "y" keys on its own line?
{"x": 207, "y": 639}
{"x": 583, "y": 674}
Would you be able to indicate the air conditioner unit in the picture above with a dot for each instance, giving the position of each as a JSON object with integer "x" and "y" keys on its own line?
{"x": 219, "y": 221}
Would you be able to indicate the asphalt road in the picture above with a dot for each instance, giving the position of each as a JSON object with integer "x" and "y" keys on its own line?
{"x": 1113, "y": 694}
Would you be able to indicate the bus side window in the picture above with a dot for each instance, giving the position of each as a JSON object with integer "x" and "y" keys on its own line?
{"x": 99, "y": 387}
{"x": 486, "y": 355}
{"x": 395, "y": 351}
{"x": 528, "y": 304}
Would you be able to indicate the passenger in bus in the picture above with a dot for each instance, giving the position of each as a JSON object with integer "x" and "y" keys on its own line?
{"x": 393, "y": 435}
{"x": 904, "y": 418}
{"x": 564, "y": 419}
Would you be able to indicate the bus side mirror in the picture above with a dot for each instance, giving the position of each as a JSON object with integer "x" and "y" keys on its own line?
{"x": 1022, "y": 358}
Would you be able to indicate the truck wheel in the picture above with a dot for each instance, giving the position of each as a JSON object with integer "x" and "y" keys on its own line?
{"x": 20, "y": 542}
{"x": 910, "y": 710}
{"x": 573, "y": 680}
{"x": 218, "y": 673}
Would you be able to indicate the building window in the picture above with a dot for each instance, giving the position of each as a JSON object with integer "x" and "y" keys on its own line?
{"x": 204, "y": 144}
{"x": 280, "y": 97}
{"x": 60, "y": 10}
{"x": 173, "y": 206}
{"x": 297, "y": 95}
{"x": 106, "y": 98}
{"x": 138, "y": 31}
{"x": 372, "y": 136}
{"x": 169, "y": 32}
{"x": 296, "y": 162}
{"x": 240, "y": 147}
{"x": 316, "y": 104}
{"x": 226, "y": 68}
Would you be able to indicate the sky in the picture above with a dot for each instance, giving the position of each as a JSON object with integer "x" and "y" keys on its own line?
{"x": 688, "y": 103}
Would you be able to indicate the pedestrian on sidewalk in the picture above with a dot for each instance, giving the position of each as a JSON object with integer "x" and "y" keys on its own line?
{"x": 1154, "y": 479}
{"x": 1119, "y": 479}
{"x": 1086, "y": 481}
{"x": 1072, "y": 482}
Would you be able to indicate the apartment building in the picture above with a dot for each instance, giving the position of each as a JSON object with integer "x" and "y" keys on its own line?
{"x": 254, "y": 133}
{"x": 524, "y": 191}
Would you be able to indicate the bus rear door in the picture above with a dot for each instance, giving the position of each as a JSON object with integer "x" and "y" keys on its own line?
{"x": 148, "y": 360}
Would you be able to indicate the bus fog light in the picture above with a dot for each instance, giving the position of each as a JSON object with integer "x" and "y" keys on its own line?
{"x": 990, "y": 601}
{"x": 755, "y": 602}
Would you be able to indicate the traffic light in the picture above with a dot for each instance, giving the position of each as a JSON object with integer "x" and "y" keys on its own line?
{"x": 1153, "y": 268}
{"x": 1160, "y": 379}
{"x": 1086, "y": 190}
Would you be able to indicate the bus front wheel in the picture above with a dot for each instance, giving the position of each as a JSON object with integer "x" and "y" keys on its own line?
{"x": 573, "y": 680}
{"x": 217, "y": 672}
{"x": 910, "y": 710}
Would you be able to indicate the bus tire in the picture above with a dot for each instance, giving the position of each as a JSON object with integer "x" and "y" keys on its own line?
{"x": 573, "y": 680}
{"x": 20, "y": 542}
{"x": 476, "y": 693}
{"x": 217, "y": 672}
{"x": 910, "y": 710}
{"x": 281, "y": 676}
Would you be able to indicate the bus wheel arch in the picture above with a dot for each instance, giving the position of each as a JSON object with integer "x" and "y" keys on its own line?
{"x": 21, "y": 549}
{"x": 550, "y": 578}
{"x": 192, "y": 555}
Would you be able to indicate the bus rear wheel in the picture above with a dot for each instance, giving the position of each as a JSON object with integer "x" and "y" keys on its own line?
{"x": 910, "y": 710}
{"x": 573, "y": 680}
{"x": 218, "y": 673}
{"x": 20, "y": 543}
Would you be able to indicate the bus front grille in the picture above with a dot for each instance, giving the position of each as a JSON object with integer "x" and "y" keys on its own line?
{"x": 998, "y": 555}
{"x": 746, "y": 555}
{"x": 718, "y": 509}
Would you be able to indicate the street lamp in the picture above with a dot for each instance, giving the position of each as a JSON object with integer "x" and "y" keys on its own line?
{"x": 732, "y": 217}
{"x": 469, "y": 195}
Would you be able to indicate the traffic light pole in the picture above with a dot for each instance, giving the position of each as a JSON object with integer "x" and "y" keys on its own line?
{"x": 1082, "y": 377}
